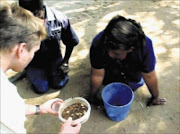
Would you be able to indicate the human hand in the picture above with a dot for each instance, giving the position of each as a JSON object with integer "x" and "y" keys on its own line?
{"x": 95, "y": 100}
{"x": 156, "y": 101}
{"x": 64, "y": 67}
{"x": 68, "y": 128}
{"x": 47, "y": 107}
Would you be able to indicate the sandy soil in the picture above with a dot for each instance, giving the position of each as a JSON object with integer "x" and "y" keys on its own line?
{"x": 160, "y": 21}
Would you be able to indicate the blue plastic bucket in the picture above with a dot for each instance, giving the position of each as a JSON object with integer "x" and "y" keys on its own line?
{"x": 117, "y": 98}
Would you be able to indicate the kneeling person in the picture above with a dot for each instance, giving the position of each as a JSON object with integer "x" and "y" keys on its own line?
{"x": 122, "y": 53}
{"x": 48, "y": 68}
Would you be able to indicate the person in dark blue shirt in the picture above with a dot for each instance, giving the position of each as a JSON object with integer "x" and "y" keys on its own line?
{"x": 48, "y": 68}
{"x": 122, "y": 53}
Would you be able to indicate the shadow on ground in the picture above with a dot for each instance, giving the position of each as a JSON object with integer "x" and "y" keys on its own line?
{"x": 160, "y": 21}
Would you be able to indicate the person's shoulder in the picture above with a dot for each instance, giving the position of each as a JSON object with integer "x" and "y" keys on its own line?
{"x": 53, "y": 14}
{"x": 97, "y": 39}
{"x": 149, "y": 45}
{"x": 5, "y": 82}
{"x": 58, "y": 14}
{"x": 148, "y": 40}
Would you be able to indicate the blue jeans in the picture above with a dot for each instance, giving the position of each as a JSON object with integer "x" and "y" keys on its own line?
{"x": 42, "y": 78}
{"x": 135, "y": 86}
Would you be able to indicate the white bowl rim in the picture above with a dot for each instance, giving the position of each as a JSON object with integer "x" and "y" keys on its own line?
{"x": 70, "y": 99}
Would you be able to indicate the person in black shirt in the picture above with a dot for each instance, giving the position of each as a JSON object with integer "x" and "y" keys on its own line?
{"x": 122, "y": 53}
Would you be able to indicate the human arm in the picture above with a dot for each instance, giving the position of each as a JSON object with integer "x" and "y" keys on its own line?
{"x": 44, "y": 108}
{"x": 98, "y": 63}
{"x": 68, "y": 128}
{"x": 70, "y": 40}
{"x": 64, "y": 64}
{"x": 152, "y": 84}
{"x": 96, "y": 79}
{"x": 68, "y": 53}
{"x": 68, "y": 37}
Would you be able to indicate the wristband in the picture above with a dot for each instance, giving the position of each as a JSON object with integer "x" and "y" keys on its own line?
{"x": 37, "y": 110}
{"x": 65, "y": 65}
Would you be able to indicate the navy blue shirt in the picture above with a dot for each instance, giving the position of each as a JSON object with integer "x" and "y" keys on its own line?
{"x": 137, "y": 61}
{"x": 58, "y": 28}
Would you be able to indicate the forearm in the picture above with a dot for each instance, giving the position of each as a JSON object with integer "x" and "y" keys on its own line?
{"x": 95, "y": 86}
{"x": 68, "y": 52}
{"x": 152, "y": 83}
{"x": 44, "y": 108}
{"x": 96, "y": 80}
{"x": 31, "y": 110}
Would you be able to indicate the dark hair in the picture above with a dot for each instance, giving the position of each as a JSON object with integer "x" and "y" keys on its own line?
{"x": 124, "y": 34}
{"x": 35, "y": 6}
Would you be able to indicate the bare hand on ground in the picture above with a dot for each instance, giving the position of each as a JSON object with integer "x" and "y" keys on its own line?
{"x": 156, "y": 101}
{"x": 64, "y": 68}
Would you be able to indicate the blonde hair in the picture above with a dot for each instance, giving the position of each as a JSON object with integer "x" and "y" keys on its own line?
{"x": 19, "y": 25}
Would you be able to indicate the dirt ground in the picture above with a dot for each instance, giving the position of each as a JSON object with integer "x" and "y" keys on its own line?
{"x": 160, "y": 21}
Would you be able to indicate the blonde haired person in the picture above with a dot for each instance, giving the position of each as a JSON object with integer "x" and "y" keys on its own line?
{"x": 18, "y": 43}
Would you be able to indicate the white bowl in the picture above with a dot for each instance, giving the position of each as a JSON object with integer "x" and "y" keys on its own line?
{"x": 71, "y": 101}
